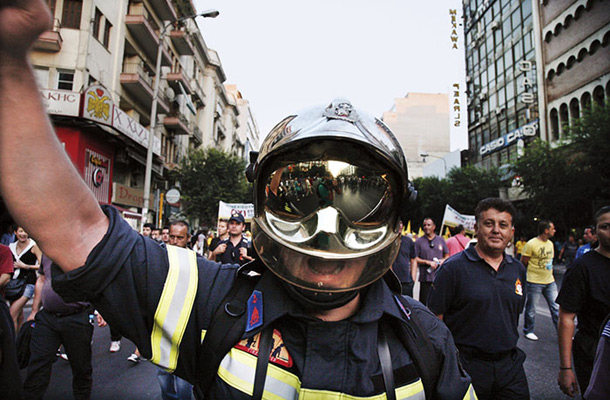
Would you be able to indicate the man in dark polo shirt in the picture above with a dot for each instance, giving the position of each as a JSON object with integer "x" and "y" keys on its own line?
{"x": 479, "y": 293}
{"x": 234, "y": 250}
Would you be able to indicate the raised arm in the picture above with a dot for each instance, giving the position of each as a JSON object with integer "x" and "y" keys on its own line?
{"x": 41, "y": 188}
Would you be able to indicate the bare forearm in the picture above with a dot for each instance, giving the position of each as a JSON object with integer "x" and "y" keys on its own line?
{"x": 41, "y": 188}
{"x": 38, "y": 294}
{"x": 565, "y": 332}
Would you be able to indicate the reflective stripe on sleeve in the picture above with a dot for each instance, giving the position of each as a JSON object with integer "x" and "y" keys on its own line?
{"x": 470, "y": 394}
{"x": 174, "y": 308}
{"x": 238, "y": 368}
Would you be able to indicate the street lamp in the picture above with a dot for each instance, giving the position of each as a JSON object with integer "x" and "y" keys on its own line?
{"x": 424, "y": 155}
{"x": 153, "y": 109}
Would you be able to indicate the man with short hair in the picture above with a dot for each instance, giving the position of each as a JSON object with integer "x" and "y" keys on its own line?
{"x": 223, "y": 234}
{"x": 585, "y": 293}
{"x": 430, "y": 252}
{"x": 179, "y": 234}
{"x": 457, "y": 242}
{"x": 156, "y": 235}
{"x": 147, "y": 229}
{"x": 479, "y": 294}
{"x": 568, "y": 250}
{"x": 165, "y": 235}
{"x": 234, "y": 250}
{"x": 537, "y": 257}
{"x": 590, "y": 241}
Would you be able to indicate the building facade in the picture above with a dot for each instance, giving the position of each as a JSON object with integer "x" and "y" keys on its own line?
{"x": 575, "y": 36}
{"x": 501, "y": 79}
{"x": 97, "y": 70}
{"x": 247, "y": 135}
{"x": 420, "y": 121}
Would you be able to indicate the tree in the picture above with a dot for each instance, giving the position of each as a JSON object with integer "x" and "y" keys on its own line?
{"x": 469, "y": 185}
{"x": 589, "y": 140}
{"x": 207, "y": 177}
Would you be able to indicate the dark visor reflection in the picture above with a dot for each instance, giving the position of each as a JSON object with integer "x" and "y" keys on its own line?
{"x": 298, "y": 190}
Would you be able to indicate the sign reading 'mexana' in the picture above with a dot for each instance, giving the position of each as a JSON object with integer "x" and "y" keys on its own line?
{"x": 510, "y": 138}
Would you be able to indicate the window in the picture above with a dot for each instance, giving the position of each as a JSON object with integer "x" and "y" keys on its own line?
{"x": 97, "y": 20}
{"x": 106, "y": 40}
{"x": 72, "y": 14}
{"x": 65, "y": 80}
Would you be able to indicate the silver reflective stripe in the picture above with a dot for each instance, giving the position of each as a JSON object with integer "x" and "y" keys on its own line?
{"x": 174, "y": 308}
{"x": 238, "y": 369}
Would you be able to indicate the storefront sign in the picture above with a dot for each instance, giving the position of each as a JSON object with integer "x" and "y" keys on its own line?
{"x": 97, "y": 175}
{"x": 61, "y": 102}
{"x": 524, "y": 81}
{"x": 510, "y": 138}
{"x": 457, "y": 107}
{"x": 454, "y": 29}
{"x": 132, "y": 129}
{"x": 97, "y": 105}
{"x": 128, "y": 196}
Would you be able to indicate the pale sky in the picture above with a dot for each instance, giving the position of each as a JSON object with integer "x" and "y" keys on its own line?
{"x": 287, "y": 55}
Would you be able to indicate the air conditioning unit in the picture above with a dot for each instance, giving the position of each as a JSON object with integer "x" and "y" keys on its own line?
{"x": 499, "y": 110}
{"x": 483, "y": 120}
{"x": 495, "y": 25}
{"x": 483, "y": 95}
{"x": 468, "y": 78}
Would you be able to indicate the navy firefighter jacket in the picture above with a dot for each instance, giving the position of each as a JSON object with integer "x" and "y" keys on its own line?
{"x": 163, "y": 300}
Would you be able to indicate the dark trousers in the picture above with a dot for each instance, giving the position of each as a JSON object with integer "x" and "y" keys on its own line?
{"x": 114, "y": 335}
{"x": 502, "y": 379}
{"x": 424, "y": 290}
{"x": 10, "y": 380}
{"x": 583, "y": 351}
{"x": 407, "y": 288}
{"x": 74, "y": 332}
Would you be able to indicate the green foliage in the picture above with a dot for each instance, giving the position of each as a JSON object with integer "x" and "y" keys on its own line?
{"x": 462, "y": 189}
{"x": 567, "y": 183}
{"x": 207, "y": 177}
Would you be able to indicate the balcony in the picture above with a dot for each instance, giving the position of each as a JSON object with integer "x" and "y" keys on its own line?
{"x": 139, "y": 84}
{"x": 164, "y": 10}
{"x": 196, "y": 135}
{"x": 144, "y": 33}
{"x": 174, "y": 78}
{"x": 50, "y": 41}
{"x": 177, "y": 122}
{"x": 182, "y": 42}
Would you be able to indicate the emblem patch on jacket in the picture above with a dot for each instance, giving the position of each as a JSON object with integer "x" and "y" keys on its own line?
{"x": 255, "y": 311}
{"x": 518, "y": 287}
{"x": 279, "y": 354}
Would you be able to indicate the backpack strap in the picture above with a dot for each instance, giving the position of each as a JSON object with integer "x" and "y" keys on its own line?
{"x": 226, "y": 327}
{"x": 426, "y": 359}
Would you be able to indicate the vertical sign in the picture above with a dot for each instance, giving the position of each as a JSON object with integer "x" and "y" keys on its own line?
{"x": 97, "y": 175}
{"x": 458, "y": 129}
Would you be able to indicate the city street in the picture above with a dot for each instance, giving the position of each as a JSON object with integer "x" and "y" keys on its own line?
{"x": 116, "y": 378}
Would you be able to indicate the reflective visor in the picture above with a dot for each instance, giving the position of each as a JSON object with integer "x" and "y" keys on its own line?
{"x": 329, "y": 205}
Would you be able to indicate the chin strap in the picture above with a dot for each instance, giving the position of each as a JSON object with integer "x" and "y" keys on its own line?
{"x": 319, "y": 300}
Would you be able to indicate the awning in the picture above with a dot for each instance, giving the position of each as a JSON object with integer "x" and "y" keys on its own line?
{"x": 127, "y": 213}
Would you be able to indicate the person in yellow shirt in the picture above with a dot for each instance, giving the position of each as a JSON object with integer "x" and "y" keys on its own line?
{"x": 537, "y": 256}
{"x": 519, "y": 246}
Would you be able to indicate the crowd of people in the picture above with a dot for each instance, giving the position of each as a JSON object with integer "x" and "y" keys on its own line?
{"x": 479, "y": 291}
{"x": 329, "y": 320}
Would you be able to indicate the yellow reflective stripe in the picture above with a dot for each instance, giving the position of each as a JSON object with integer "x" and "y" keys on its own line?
{"x": 174, "y": 308}
{"x": 412, "y": 391}
{"x": 203, "y": 332}
{"x": 238, "y": 368}
{"x": 470, "y": 394}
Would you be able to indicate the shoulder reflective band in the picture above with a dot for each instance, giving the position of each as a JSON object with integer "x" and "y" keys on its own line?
{"x": 237, "y": 369}
{"x": 174, "y": 307}
{"x": 470, "y": 394}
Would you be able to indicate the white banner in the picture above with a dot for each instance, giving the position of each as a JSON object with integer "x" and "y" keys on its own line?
{"x": 453, "y": 218}
{"x": 225, "y": 210}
